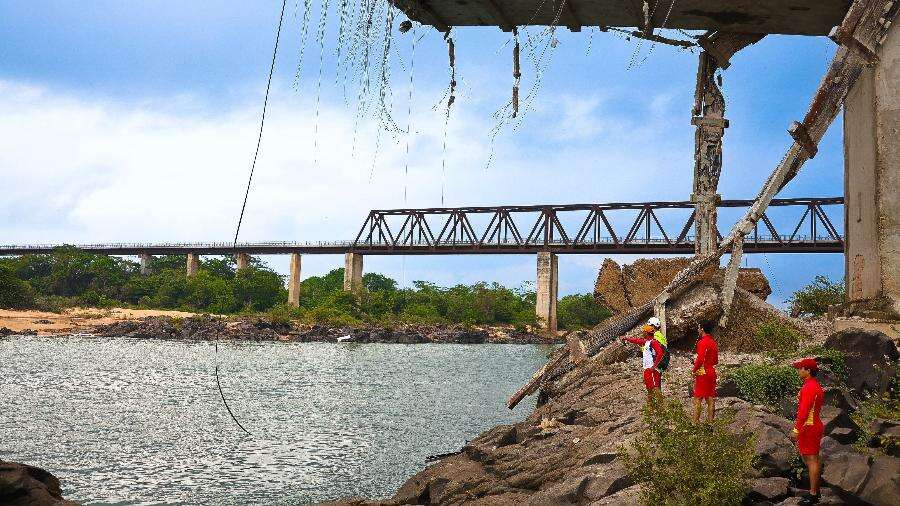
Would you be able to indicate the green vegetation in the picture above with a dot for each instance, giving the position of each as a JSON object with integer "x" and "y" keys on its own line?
{"x": 777, "y": 339}
{"x": 886, "y": 406}
{"x": 574, "y": 312}
{"x": 765, "y": 383}
{"x": 815, "y": 298}
{"x": 681, "y": 465}
{"x": 70, "y": 277}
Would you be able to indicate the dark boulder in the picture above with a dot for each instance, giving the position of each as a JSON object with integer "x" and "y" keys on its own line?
{"x": 768, "y": 489}
{"x": 870, "y": 356}
{"x": 24, "y": 485}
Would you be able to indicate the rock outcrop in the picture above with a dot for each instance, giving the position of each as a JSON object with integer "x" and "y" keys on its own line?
{"x": 871, "y": 358}
{"x": 568, "y": 450}
{"x": 24, "y": 485}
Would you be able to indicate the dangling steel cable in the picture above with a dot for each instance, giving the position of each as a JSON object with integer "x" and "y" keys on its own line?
{"x": 237, "y": 230}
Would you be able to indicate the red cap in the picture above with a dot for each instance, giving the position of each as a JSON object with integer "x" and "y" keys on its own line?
{"x": 807, "y": 363}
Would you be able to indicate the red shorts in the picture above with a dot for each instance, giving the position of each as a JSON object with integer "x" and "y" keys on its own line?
{"x": 652, "y": 379}
{"x": 705, "y": 385}
{"x": 809, "y": 440}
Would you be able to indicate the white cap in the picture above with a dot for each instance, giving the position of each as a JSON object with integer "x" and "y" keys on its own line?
{"x": 654, "y": 321}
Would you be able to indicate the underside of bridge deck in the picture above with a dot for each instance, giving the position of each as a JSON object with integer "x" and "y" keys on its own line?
{"x": 801, "y": 17}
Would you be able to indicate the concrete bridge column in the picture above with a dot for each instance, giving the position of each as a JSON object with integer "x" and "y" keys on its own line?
{"x": 294, "y": 281}
{"x": 872, "y": 179}
{"x": 547, "y": 287}
{"x": 193, "y": 264}
{"x": 146, "y": 258}
{"x": 242, "y": 260}
{"x": 353, "y": 268}
{"x": 709, "y": 118}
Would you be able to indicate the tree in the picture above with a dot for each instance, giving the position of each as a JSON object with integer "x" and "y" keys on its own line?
{"x": 579, "y": 311}
{"x": 14, "y": 292}
{"x": 814, "y": 299}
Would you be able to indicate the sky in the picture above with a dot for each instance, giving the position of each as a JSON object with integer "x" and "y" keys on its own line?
{"x": 137, "y": 122}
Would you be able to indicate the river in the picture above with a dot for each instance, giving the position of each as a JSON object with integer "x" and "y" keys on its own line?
{"x": 124, "y": 421}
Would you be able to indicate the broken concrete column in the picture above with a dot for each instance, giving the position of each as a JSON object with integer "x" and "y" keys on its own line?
{"x": 242, "y": 260}
{"x": 193, "y": 264}
{"x": 709, "y": 118}
{"x": 547, "y": 287}
{"x": 294, "y": 281}
{"x": 872, "y": 180}
{"x": 146, "y": 259}
{"x": 353, "y": 269}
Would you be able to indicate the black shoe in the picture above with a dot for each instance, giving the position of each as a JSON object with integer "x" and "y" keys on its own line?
{"x": 809, "y": 499}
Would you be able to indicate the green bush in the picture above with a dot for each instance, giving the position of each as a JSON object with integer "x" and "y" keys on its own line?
{"x": 886, "y": 406}
{"x": 14, "y": 293}
{"x": 678, "y": 463}
{"x": 815, "y": 298}
{"x": 765, "y": 383}
{"x": 282, "y": 314}
{"x": 777, "y": 339}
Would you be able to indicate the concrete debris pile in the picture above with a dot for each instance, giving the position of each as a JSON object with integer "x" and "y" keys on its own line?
{"x": 627, "y": 287}
{"x": 623, "y": 288}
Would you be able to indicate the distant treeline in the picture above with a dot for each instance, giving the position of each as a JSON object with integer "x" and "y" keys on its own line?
{"x": 70, "y": 277}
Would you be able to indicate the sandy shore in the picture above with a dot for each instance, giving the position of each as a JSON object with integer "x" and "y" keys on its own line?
{"x": 74, "y": 320}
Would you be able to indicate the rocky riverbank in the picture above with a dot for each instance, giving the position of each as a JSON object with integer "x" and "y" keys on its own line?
{"x": 175, "y": 325}
{"x": 568, "y": 450}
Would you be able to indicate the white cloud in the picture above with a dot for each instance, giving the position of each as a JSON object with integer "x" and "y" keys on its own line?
{"x": 83, "y": 170}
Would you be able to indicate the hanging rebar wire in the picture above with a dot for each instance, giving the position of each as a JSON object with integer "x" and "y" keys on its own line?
{"x": 262, "y": 123}
{"x": 517, "y": 74}
{"x": 451, "y": 57}
{"x": 304, "y": 35}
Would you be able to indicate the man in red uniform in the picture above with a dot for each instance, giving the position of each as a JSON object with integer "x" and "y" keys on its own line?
{"x": 652, "y": 355}
{"x": 705, "y": 372}
{"x": 808, "y": 426}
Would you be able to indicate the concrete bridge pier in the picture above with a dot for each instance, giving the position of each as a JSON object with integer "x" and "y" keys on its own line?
{"x": 146, "y": 258}
{"x": 872, "y": 180}
{"x": 242, "y": 260}
{"x": 294, "y": 281}
{"x": 193, "y": 264}
{"x": 353, "y": 270}
{"x": 547, "y": 288}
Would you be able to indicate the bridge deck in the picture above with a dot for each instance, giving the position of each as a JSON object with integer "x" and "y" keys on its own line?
{"x": 801, "y": 17}
{"x": 608, "y": 229}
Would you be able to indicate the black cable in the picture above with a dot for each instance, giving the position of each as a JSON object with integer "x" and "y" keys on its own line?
{"x": 237, "y": 230}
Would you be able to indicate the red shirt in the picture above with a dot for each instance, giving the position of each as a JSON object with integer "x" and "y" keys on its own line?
{"x": 810, "y": 404}
{"x": 707, "y": 354}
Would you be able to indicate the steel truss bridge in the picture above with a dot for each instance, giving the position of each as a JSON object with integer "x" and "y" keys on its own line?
{"x": 561, "y": 229}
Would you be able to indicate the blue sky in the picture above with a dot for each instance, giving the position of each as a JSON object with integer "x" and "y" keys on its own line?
{"x": 135, "y": 121}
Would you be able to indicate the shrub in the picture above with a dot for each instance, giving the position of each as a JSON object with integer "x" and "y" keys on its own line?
{"x": 815, "y": 298}
{"x": 886, "y": 406}
{"x": 765, "y": 383}
{"x": 678, "y": 464}
{"x": 777, "y": 339}
{"x": 14, "y": 293}
{"x": 281, "y": 314}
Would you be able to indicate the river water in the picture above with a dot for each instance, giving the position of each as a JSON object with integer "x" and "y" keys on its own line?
{"x": 123, "y": 421}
